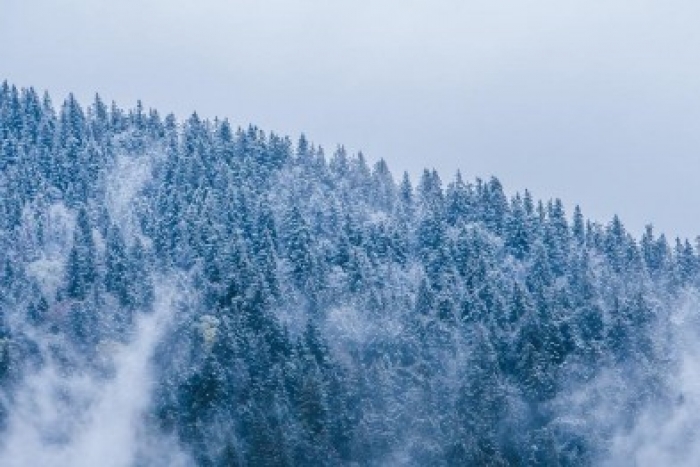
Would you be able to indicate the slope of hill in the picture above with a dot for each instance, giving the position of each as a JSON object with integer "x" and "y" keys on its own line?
{"x": 190, "y": 293}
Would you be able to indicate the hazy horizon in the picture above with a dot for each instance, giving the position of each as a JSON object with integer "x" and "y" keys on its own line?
{"x": 595, "y": 103}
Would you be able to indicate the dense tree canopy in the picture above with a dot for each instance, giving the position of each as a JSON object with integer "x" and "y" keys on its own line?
{"x": 339, "y": 316}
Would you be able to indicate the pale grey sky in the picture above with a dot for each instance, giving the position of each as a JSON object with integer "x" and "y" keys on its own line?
{"x": 593, "y": 101}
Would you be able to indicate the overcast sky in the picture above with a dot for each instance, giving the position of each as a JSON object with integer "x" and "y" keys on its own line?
{"x": 593, "y": 101}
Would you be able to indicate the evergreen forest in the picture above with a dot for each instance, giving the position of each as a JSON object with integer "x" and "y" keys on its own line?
{"x": 281, "y": 305}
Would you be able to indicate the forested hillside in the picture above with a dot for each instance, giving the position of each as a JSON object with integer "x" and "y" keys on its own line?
{"x": 311, "y": 308}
